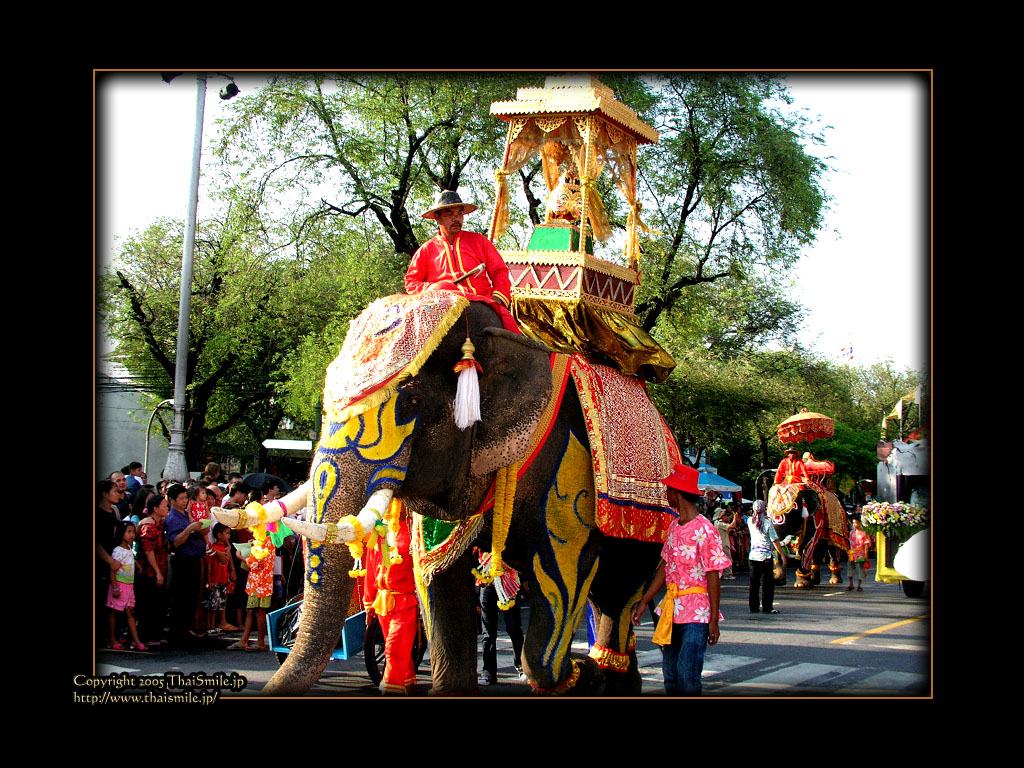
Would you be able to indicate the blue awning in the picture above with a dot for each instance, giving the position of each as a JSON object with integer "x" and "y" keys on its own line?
{"x": 709, "y": 481}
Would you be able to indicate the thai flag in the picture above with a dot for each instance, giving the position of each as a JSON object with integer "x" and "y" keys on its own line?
{"x": 847, "y": 351}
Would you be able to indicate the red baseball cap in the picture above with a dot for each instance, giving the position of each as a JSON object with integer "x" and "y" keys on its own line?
{"x": 683, "y": 478}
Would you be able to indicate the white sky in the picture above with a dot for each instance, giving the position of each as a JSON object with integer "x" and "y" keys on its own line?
{"x": 867, "y": 285}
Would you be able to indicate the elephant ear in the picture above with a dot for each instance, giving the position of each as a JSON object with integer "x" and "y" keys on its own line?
{"x": 514, "y": 390}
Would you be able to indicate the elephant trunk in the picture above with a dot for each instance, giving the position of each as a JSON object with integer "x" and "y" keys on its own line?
{"x": 326, "y": 600}
{"x": 367, "y": 455}
{"x": 323, "y": 615}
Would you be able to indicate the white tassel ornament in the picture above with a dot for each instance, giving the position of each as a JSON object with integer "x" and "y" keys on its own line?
{"x": 467, "y": 393}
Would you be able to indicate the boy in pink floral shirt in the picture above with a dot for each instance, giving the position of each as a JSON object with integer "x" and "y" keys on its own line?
{"x": 692, "y": 562}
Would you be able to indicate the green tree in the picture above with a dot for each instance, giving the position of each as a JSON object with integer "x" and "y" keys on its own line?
{"x": 729, "y": 185}
{"x": 876, "y": 390}
{"x": 373, "y": 147}
{"x": 243, "y": 321}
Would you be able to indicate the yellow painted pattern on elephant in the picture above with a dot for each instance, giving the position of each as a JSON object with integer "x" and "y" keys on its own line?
{"x": 625, "y": 624}
{"x": 374, "y": 436}
{"x": 325, "y": 481}
{"x": 570, "y": 519}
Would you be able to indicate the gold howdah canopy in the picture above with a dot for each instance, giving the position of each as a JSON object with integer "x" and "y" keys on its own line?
{"x": 562, "y": 294}
{"x": 578, "y": 128}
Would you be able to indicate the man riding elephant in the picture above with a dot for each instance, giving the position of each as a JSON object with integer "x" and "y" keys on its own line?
{"x": 465, "y": 262}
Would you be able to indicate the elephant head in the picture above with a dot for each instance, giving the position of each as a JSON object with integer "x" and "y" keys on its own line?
{"x": 409, "y": 443}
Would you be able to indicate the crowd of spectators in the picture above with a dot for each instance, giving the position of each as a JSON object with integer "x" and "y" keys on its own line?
{"x": 167, "y": 573}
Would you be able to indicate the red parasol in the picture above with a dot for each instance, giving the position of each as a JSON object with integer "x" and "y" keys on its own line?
{"x": 805, "y": 426}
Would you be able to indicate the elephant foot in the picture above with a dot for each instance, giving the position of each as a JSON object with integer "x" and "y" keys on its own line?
{"x": 835, "y": 580}
{"x": 621, "y": 671}
{"x": 585, "y": 679}
{"x": 803, "y": 581}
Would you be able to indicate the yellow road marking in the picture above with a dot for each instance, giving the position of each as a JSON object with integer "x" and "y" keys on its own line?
{"x": 876, "y": 630}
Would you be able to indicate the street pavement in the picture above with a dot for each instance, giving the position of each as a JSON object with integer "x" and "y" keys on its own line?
{"x": 825, "y": 642}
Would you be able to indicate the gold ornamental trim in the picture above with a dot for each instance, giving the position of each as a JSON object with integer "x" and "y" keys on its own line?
{"x": 615, "y": 306}
{"x": 571, "y": 258}
{"x": 575, "y": 93}
{"x": 610, "y": 268}
{"x": 606, "y": 658}
{"x": 548, "y": 258}
{"x": 548, "y": 124}
{"x": 546, "y": 293}
{"x": 556, "y": 294}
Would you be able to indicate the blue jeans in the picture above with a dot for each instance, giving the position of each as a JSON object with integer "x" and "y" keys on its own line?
{"x": 682, "y": 662}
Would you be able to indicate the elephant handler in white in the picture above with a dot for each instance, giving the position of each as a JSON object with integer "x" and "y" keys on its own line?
{"x": 692, "y": 562}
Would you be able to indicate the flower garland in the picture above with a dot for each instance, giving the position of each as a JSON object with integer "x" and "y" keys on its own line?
{"x": 893, "y": 519}
{"x": 262, "y": 530}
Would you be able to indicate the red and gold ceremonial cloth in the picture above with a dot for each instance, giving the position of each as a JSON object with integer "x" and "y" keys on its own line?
{"x": 388, "y": 342}
{"x": 782, "y": 498}
{"x": 632, "y": 449}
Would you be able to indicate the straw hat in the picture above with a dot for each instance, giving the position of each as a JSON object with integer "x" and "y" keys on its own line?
{"x": 448, "y": 199}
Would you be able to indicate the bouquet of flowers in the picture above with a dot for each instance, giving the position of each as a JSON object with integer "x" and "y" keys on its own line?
{"x": 897, "y": 519}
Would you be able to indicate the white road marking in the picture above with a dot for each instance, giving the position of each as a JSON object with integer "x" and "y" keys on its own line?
{"x": 790, "y": 677}
{"x": 889, "y": 682}
{"x": 717, "y": 664}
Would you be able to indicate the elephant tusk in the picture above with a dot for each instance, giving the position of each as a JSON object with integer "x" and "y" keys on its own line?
{"x": 344, "y": 533}
{"x": 312, "y": 531}
{"x": 368, "y": 516}
{"x": 245, "y": 518}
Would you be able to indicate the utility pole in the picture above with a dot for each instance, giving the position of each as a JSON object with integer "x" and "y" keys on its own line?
{"x": 176, "y": 468}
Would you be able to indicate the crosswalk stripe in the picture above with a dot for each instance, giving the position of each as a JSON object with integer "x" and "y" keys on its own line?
{"x": 888, "y": 682}
{"x": 717, "y": 664}
{"x": 790, "y": 677}
{"x": 774, "y": 679}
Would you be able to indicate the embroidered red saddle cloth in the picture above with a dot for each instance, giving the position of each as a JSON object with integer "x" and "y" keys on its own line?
{"x": 632, "y": 449}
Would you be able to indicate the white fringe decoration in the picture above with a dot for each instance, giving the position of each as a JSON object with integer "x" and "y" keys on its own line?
{"x": 467, "y": 393}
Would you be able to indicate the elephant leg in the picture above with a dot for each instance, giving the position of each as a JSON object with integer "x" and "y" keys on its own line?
{"x": 625, "y": 566}
{"x": 453, "y": 629}
{"x": 563, "y": 565}
{"x": 834, "y": 566}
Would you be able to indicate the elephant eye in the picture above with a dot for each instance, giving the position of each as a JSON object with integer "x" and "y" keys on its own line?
{"x": 411, "y": 397}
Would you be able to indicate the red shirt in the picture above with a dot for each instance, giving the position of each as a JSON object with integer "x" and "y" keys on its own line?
{"x": 398, "y": 579}
{"x": 151, "y": 539}
{"x": 791, "y": 471}
{"x": 438, "y": 263}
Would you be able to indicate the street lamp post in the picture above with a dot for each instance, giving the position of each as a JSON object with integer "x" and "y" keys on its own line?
{"x": 176, "y": 467}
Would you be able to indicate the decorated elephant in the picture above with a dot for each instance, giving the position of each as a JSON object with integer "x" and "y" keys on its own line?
{"x": 822, "y": 531}
{"x": 520, "y": 482}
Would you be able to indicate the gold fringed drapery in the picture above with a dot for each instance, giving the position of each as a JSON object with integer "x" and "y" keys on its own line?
{"x": 562, "y": 147}
{"x": 522, "y": 145}
{"x": 577, "y": 326}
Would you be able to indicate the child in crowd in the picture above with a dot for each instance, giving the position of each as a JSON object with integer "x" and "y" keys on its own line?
{"x": 219, "y": 572}
{"x": 860, "y": 546}
{"x": 121, "y": 592}
{"x": 197, "y": 511}
{"x": 260, "y": 589}
{"x": 197, "y": 506}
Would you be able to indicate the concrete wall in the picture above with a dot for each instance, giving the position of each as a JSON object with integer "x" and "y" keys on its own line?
{"x": 121, "y": 422}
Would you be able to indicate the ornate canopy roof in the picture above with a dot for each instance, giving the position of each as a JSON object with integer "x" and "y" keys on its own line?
{"x": 575, "y": 93}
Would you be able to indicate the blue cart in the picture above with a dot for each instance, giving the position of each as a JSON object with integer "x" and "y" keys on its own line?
{"x": 356, "y": 637}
